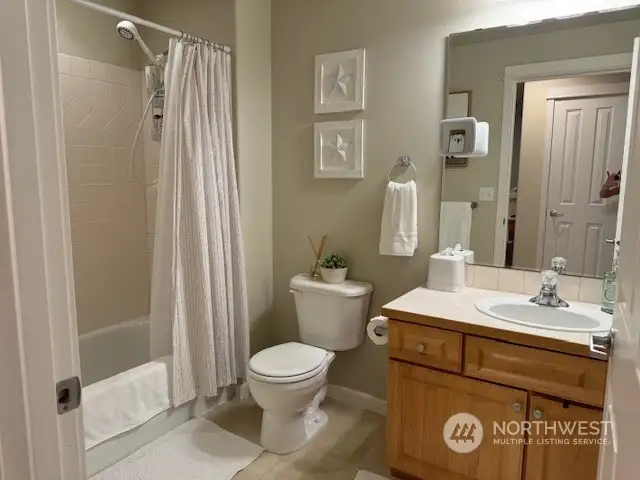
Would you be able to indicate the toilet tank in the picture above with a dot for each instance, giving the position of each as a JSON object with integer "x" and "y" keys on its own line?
{"x": 331, "y": 316}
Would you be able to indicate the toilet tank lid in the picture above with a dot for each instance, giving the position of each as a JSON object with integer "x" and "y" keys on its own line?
{"x": 350, "y": 288}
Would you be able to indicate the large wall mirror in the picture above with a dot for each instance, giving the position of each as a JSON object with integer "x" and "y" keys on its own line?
{"x": 555, "y": 96}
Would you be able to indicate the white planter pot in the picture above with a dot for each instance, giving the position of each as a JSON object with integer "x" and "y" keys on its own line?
{"x": 333, "y": 275}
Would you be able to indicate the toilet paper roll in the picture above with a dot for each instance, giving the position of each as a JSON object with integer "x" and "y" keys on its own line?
{"x": 377, "y": 330}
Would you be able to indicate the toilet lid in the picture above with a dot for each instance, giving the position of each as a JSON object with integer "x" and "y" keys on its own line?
{"x": 287, "y": 360}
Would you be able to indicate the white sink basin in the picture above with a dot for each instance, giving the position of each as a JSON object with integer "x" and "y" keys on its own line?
{"x": 523, "y": 312}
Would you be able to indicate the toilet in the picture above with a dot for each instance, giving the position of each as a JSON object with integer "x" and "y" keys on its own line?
{"x": 289, "y": 381}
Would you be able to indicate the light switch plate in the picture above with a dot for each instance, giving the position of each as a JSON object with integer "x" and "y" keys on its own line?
{"x": 487, "y": 194}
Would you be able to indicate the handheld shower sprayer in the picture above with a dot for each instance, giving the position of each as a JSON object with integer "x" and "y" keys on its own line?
{"x": 128, "y": 31}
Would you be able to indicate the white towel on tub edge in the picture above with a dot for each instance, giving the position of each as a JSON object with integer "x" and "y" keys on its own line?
{"x": 125, "y": 401}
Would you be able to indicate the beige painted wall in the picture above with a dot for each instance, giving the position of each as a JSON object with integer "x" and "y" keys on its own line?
{"x": 532, "y": 157}
{"x": 480, "y": 67}
{"x": 253, "y": 147}
{"x": 89, "y": 34}
{"x": 211, "y": 19}
{"x": 405, "y": 42}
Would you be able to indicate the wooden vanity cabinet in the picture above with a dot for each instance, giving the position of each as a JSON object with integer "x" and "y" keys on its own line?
{"x": 436, "y": 373}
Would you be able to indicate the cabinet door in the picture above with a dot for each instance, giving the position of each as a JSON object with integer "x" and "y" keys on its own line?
{"x": 558, "y": 451}
{"x": 420, "y": 403}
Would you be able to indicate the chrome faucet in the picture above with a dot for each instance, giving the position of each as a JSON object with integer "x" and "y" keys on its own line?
{"x": 548, "y": 295}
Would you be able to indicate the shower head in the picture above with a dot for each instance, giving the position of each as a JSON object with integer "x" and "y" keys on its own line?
{"x": 128, "y": 31}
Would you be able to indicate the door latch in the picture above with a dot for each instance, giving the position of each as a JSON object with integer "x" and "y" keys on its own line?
{"x": 69, "y": 394}
{"x": 601, "y": 344}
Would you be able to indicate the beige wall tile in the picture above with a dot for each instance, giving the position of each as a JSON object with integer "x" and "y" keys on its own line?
{"x": 532, "y": 282}
{"x": 90, "y": 193}
{"x": 95, "y": 175}
{"x": 486, "y": 277}
{"x": 511, "y": 280}
{"x": 98, "y": 71}
{"x": 568, "y": 287}
{"x": 79, "y": 67}
{"x": 64, "y": 64}
{"x": 469, "y": 275}
{"x": 590, "y": 290}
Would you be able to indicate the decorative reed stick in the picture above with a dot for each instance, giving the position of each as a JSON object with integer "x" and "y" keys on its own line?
{"x": 318, "y": 255}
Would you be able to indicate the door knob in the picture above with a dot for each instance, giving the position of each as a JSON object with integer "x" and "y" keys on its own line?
{"x": 555, "y": 213}
{"x": 537, "y": 414}
{"x": 612, "y": 241}
{"x": 420, "y": 348}
{"x": 517, "y": 407}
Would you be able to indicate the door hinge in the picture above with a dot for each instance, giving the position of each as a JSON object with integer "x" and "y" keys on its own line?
{"x": 68, "y": 394}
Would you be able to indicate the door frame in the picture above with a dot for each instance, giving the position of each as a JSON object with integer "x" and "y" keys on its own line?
{"x": 37, "y": 297}
{"x": 615, "y": 63}
{"x": 580, "y": 91}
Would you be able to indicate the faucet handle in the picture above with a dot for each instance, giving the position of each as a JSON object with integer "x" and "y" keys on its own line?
{"x": 559, "y": 264}
{"x": 549, "y": 279}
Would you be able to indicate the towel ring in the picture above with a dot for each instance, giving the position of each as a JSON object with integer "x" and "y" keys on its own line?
{"x": 403, "y": 162}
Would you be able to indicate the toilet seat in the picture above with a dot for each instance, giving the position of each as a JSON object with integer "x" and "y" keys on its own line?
{"x": 288, "y": 363}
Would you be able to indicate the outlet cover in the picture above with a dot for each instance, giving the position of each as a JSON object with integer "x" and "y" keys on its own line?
{"x": 487, "y": 194}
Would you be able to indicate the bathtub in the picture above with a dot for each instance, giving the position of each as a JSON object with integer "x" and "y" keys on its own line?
{"x": 117, "y": 358}
{"x": 112, "y": 350}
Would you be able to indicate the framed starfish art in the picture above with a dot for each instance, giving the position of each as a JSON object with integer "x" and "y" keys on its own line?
{"x": 338, "y": 149}
{"x": 340, "y": 79}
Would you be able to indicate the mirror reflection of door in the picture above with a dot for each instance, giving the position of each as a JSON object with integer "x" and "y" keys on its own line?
{"x": 571, "y": 133}
{"x": 587, "y": 140}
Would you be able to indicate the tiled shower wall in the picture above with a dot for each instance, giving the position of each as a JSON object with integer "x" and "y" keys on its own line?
{"x": 101, "y": 110}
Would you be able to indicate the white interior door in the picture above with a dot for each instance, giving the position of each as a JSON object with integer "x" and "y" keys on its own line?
{"x": 619, "y": 459}
{"x": 38, "y": 338}
{"x": 587, "y": 139}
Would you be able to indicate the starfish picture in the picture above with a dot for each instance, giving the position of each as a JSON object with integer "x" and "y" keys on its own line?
{"x": 340, "y": 79}
{"x": 341, "y": 147}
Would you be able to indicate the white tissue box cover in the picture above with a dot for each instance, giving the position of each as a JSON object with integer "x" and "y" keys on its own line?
{"x": 446, "y": 273}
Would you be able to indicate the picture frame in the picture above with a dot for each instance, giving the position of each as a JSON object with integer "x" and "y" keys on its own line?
{"x": 338, "y": 149}
{"x": 340, "y": 81}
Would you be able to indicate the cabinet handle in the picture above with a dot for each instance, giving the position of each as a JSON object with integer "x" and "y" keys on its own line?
{"x": 420, "y": 348}
{"x": 537, "y": 414}
{"x": 517, "y": 407}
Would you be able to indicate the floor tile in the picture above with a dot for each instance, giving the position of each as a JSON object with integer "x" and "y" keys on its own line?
{"x": 354, "y": 439}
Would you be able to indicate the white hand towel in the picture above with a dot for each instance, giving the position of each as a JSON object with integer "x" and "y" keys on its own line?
{"x": 455, "y": 225}
{"x": 399, "y": 230}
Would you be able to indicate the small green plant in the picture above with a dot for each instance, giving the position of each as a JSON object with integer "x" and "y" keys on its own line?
{"x": 334, "y": 261}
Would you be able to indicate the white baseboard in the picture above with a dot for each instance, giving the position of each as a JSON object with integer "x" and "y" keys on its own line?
{"x": 357, "y": 399}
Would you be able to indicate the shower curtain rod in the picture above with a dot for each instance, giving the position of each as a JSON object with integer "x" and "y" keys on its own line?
{"x": 141, "y": 21}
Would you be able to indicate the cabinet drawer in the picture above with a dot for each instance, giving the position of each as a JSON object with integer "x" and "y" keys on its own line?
{"x": 425, "y": 345}
{"x": 565, "y": 376}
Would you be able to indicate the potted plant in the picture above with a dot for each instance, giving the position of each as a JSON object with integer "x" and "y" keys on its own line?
{"x": 333, "y": 268}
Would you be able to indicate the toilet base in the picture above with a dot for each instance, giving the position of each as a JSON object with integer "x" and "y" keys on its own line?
{"x": 286, "y": 433}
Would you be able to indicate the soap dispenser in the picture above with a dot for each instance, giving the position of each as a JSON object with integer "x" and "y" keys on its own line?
{"x": 609, "y": 289}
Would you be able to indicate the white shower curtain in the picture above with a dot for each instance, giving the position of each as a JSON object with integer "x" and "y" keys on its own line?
{"x": 198, "y": 294}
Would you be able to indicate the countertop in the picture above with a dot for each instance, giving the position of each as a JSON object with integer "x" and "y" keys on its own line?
{"x": 456, "y": 311}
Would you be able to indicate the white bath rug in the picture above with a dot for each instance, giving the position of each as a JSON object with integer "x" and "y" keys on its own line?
{"x": 196, "y": 450}
{"x": 364, "y": 475}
